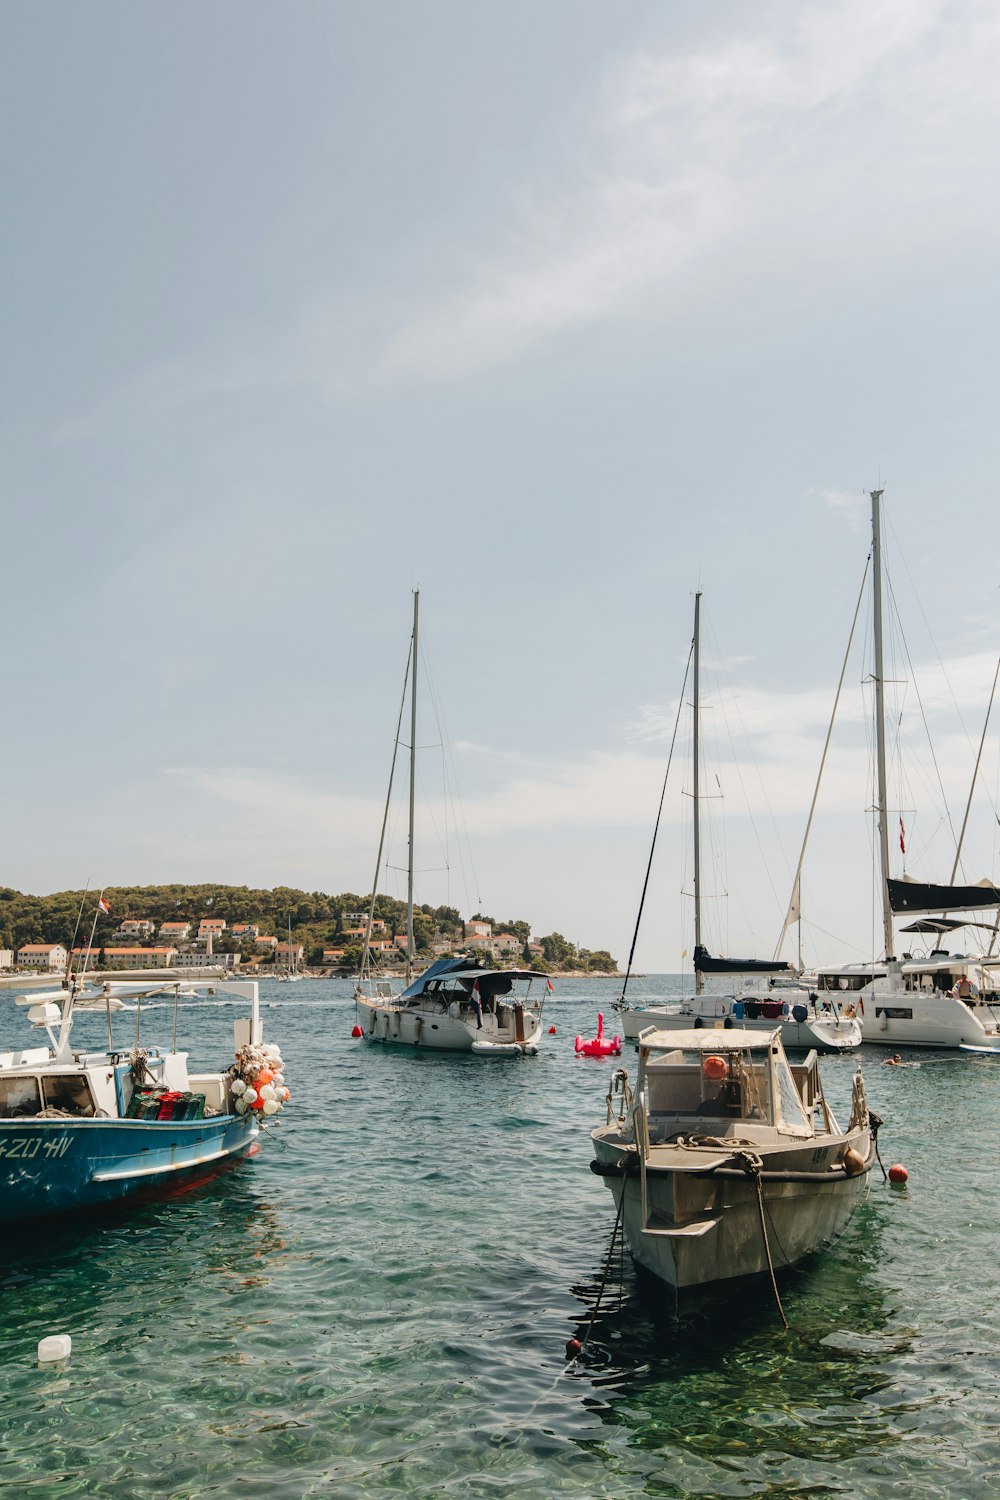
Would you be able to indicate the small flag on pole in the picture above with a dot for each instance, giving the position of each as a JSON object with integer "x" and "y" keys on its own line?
{"x": 102, "y": 905}
{"x": 549, "y": 985}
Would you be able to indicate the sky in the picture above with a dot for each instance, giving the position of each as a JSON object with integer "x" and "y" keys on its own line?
{"x": 559, "y": 314}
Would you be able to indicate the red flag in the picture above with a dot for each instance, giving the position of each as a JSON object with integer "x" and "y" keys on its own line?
{"x": 902, "y": 834}
{"x": 102, "y": 905}
{"x": 549, "y": 985}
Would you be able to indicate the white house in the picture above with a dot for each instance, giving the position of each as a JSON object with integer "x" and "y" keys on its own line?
{"x": 140, "y": 958}
{"x": 245, "y": 930}
{"x": 48, "y": 956}
{"x": 175, "y": 932}
{"x": 211, "y": 927}
{"x": 203, "y": 961}
{"x": 135, "y": 927}
{"x": 478, "y": 929}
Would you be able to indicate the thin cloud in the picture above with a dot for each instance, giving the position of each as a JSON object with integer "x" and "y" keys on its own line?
{"x": 688, "y": 142}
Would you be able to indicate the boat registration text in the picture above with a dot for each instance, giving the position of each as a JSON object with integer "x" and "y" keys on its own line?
{"x": 28, "y": 1146}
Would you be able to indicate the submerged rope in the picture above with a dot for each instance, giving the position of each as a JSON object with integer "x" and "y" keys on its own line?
{"x": 604, "y": 1281}
{"x": 752, "y": 1166}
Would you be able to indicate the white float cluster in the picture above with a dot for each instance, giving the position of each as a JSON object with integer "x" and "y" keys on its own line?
{"x": 258, "y": 1084}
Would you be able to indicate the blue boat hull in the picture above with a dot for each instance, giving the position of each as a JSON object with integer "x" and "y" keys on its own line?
{"x": 55, "y": 1166}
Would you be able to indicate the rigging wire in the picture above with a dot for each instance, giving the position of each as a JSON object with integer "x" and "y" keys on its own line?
{"x": 656, "y": 826}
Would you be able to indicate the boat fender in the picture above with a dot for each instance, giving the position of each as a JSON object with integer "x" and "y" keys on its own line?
{"x": 395, "y": 1023}
{"x": 384, "y": 1025}
{"x": 371, "y": 1023}
{"x": 854, "y": 1162}
{"x": 697, "y": 1023}
{"x": 715, "y": 1068}
{"x": 799, "y": 1013}
{"x": 727, "y": 1024}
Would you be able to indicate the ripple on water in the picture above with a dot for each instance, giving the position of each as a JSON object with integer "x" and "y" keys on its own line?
{"x": 381, "y": 1302}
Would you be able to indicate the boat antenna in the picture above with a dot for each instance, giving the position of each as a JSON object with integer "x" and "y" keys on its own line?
{"x": 656, "y": 825}
{"x": 76, "y": 931}
{"x": 794, "y": 912}
{"x": 366, "y": 955}
{"x": 883, "y": 819}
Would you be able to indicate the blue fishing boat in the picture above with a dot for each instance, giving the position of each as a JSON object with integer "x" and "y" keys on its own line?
{"x": 82, "y": 1130}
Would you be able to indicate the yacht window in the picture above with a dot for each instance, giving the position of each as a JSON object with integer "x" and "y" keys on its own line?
{"x": 792, "y": 1112}
{"x": 19, "y": 1096}
{"x": 69, "y": 1092}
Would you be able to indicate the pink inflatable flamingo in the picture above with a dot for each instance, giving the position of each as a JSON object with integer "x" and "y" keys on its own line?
{"x": 599, "y": 1045}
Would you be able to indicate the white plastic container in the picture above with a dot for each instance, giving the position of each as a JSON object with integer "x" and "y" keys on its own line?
{"x": 55, "y": 1346}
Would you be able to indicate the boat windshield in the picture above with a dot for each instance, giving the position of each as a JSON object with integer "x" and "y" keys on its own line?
{"x": 792, "y": 1113}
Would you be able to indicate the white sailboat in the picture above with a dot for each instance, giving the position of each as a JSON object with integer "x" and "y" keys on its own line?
{"x": 781, "y": 1001}
{"x": 942, "y": 1000}
{"x": 291, "y": 974}
{"x": 454, "y": 1006}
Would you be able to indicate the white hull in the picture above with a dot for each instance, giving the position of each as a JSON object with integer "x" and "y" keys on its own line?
{"x": 434, "y": 1028}
{"x": 824, "y": 1033}
{"x": 912, "y": 1019}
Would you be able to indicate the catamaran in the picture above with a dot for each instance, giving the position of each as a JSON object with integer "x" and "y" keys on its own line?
{"x": 943, "y": 999}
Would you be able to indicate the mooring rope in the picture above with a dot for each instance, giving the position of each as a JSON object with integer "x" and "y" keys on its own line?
{"x": 753, "y": 1166}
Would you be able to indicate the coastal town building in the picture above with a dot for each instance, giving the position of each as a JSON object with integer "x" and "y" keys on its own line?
{"x": 194, "y": 960}
{"x": 265, "y": 942}
{"x": 135, "y": 927}
{"x": 175, "y": 932}
{"x": 86, "y": 959}
{"x": 333, "y": 955}
{"x": 478, "y": 929}
{"x": 45, "y": 956}
{"x": 6, "y": 958}
{"x": 245, "y": 930}
{"x": 129, "y": 957}
{"x": 211, "y": 927}
{"x": 289, "y": 953}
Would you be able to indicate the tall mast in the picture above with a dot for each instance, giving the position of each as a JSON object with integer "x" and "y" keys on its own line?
{"x": 883, "y": 811}
{"x": 410, "y": 945}
{"x": 695, "y": 793}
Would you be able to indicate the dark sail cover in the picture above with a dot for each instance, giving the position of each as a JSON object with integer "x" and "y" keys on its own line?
{"x": 704, "y": 963}
{"x": 911, "y": 895}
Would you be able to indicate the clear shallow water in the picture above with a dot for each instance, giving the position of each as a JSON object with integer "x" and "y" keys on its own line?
{"x": 379, "y": 1303}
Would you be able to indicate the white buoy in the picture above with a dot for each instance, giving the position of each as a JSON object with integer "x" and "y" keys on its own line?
{"x": 55, "y": 1346}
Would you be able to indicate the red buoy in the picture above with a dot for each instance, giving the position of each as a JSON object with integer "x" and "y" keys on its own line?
{"x": 552, "y": 1031}
{"x": 573, "y": 1348}
{"x": 357, "y": 1032}
{"x": 898, "y": 1173}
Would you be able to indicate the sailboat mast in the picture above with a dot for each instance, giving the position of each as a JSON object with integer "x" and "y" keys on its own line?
{"x": 410, "y": 945}
{"x": 696, "y": 792}
{"x": 883, "y": 810}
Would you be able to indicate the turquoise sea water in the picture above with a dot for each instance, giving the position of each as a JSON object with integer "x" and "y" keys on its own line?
{"x": 379, "y": 1303}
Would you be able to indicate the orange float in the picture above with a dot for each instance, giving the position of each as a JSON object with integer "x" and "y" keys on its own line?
{"x": 715, "y": 1068}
